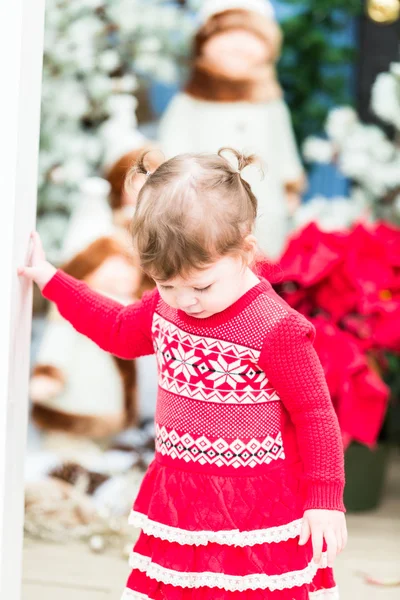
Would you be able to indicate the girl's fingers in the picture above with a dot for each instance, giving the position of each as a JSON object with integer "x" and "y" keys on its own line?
{"x": 339, "y": 539}
{"x": 344, "y": 536}
{"x": 305, "y": 532}
{"x": 38, "y": 252}
{"x": 27, "y": 272}
{"x": 317, "y": 541}
{"x": 332, "y": 546}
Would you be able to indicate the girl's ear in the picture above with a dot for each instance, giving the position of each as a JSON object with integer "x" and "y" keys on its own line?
{"x": 250, "y": 246}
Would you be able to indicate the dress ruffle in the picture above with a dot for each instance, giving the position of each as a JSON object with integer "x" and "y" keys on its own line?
{"x": 225, "y": 537}
{"x": 187, "y": 501}
{"x": 142, "y": 587}
{"x": 267, "y": 561}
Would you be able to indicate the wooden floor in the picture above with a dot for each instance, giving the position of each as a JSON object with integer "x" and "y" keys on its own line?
{"x": 72, "y": 572}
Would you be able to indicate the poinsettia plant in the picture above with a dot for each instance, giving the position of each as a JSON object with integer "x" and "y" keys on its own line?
{"x": 348, "y": 285}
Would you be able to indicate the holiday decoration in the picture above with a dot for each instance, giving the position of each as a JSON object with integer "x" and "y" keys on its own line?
{"x": 365, "y": 153}
{"x": 76, "y": 387}
{"x": 347, "y": 283}
{"x": 77, "y": 490}
{"x": 383, "y": 11}
{"x": 95, "y": 52}
{"x": 212, "y": 7}
{"x": 92, "y": 218}
{"x": 123, "y": 194}
{"x": 233, "y": 98}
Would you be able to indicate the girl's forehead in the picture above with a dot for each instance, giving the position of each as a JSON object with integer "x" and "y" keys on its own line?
{"x": 199, "y": 277}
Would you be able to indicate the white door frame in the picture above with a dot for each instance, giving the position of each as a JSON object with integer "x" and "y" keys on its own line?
{"x": 21, "y": 55}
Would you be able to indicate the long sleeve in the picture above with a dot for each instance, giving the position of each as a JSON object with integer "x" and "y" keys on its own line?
{"x": 124, "y": 331}
{"x": 293, "y": 367}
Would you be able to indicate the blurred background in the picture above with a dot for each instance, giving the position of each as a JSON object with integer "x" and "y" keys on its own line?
{"x": 313, "y": 88}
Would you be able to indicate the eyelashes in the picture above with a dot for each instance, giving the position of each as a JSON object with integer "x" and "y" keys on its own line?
{"x": 169, "y": 287}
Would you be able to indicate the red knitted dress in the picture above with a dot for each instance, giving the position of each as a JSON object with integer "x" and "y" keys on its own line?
{"x": 247, "y": 439}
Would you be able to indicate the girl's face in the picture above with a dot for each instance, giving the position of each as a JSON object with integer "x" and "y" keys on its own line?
{"x": 209, "y": 291}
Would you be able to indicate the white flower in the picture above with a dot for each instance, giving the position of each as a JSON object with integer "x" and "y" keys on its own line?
{"x": 60, "y": 98}
{"x": 150, "y": 44}
{"x": 382, "y": 177}
{"x": 126, "y": 84}
{"x": 339, "y": 123}
{"x": 383, "y": 150}
{"x": 109, "y": 60}
{"x": 99, "y": 86}
{"x": 363, "y": 138}
{"x": 224, "y": 373}
{"x": 121, "y": 104}
{"x": 331, "y": 214}
{"x": 385, "y": 99}
{"x": 146, "y": 63}
{"x": 355, "y": 164}
{"x": 85, "y": 58}
{"x": 318, "y": 150}
{"x": 125, "y": 14}
{"x": 84, "y": 31}
{"x": 389, "y": 173}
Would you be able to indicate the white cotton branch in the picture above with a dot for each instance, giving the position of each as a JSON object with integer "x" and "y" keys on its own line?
{"x": 318, "y": 150}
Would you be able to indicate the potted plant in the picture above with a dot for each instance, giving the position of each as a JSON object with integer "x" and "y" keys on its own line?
{"x": 347, "y": 284}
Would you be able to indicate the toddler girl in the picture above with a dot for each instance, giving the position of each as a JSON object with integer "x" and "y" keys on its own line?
{"x": 244, "y": 498}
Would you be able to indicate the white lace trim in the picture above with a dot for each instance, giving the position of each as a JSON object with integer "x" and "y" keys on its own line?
{"x": 233, "y": 537}
{"x": 331, "y": 594}
{"x": 230, "y": 583}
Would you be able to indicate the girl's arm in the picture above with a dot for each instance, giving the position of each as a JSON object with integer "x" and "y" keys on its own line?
{"x": 122, "y": 330}
{"x": 293, "y": 367}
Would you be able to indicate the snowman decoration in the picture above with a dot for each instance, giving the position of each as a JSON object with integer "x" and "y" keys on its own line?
{"x": 233, "y": 98}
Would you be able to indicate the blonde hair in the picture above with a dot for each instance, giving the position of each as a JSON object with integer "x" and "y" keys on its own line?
{"x": 192, "y": 210}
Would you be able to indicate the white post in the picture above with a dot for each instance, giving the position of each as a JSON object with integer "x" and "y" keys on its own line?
{"x": 21, "y": 52}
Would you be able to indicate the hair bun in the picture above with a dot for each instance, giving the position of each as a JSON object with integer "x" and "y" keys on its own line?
{"x": 243, "y": 160}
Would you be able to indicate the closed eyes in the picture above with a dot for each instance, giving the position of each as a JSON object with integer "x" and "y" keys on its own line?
{"x": 170, "y": 287}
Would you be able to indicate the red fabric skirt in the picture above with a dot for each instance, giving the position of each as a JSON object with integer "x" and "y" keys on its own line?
{"x": 212, "y": 537}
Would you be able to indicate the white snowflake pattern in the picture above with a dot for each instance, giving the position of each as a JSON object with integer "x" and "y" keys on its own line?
{"x": 183, "y": 362}
{"x": 159, "y": 347}
{"x": 225, "y": 373}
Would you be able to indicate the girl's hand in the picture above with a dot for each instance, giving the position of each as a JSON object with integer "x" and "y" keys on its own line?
{"x": 38, "y": 269}
{"x": 324, "y": 525}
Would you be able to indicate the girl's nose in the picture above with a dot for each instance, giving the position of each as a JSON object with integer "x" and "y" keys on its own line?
{"x": 186, "y": 301}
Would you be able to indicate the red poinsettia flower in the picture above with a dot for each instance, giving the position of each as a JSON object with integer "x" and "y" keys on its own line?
{"x": 385, "y": 327}
{"x": 311, "y": 255}
{"x": 358, "y": 393}
{"x": 348, "y": 285}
